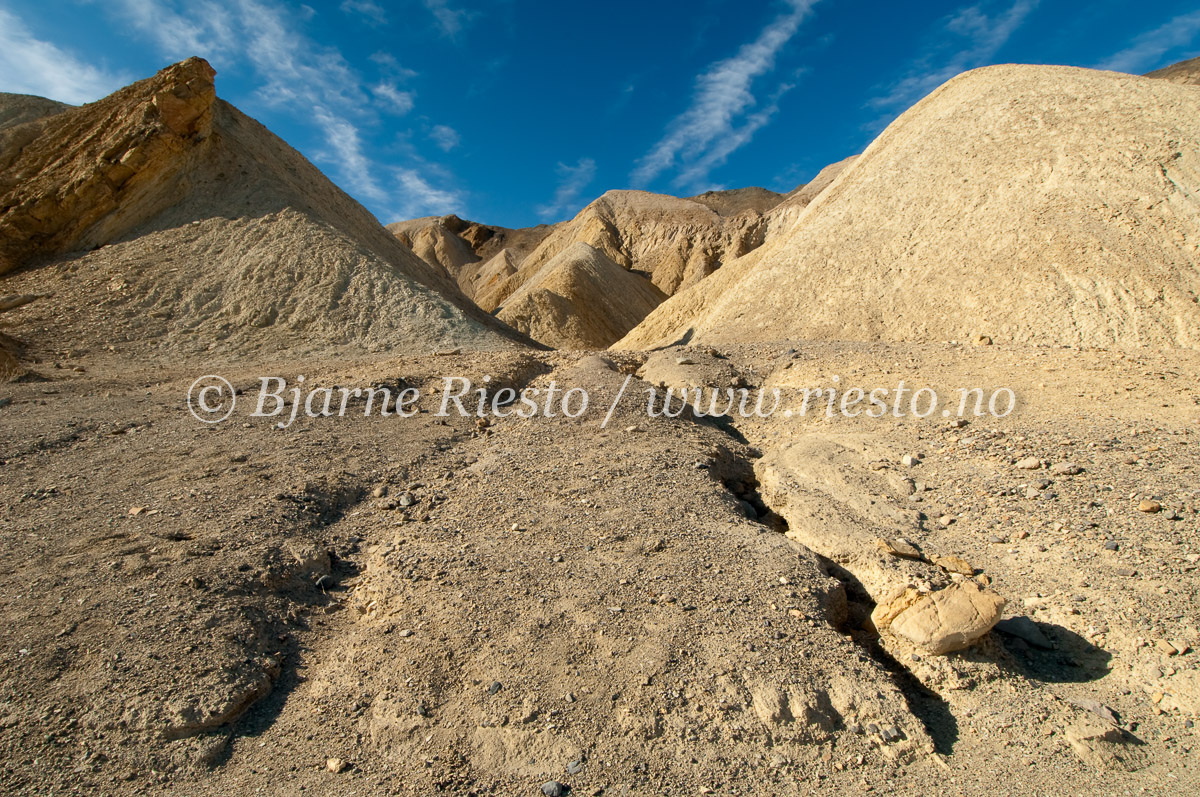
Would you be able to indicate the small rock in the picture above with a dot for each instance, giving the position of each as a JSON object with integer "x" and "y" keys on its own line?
{"x": 380, "y": 492}
{"x": 684, "y": 361}
{"x": 1166, "y": 647}
{"x": 1099, "y": 709}
{"x": 900, "y": 547}
{"x": 945, "y": 520}
{"x": 1025, "y": 629}
{"x": 954, "y": 564}
{"x": 406, "y": 499}
{"x": 909, "y": 460}
{"x": 1066, "y": 469}
{"x": 335, "y": 765}
{"x": 553, "y": 789}
{"x": 1029, "y": 463}
{"x": 1149, "y": 507}
{"x": 1111, "y": 545}
{"x": 494, "y": 687}
{"x": 575, "y": 767}
{"x": 983, "y": 340}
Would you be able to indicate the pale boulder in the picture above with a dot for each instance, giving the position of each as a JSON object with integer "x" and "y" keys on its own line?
{"x": 949, "y": 619}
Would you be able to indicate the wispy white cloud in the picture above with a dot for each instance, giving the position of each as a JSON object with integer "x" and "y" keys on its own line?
{"x": 206, "y": 28}
{"x": 397, "y": 101}
{"x": 695, "y": 174}
{"x": 450, "y": 20}
{"x": 297, "y": 75}
{"x": 571, "y": 182}
{"x": 366, "y": 8}
{"x": 968, "y": 38}
{"x": 346, "y": 153}
{"x": 445, "y": 137}
{"x": 713, "y": 126}
{"x": 388, "y": 64}
{"x": 419, "y": 197}
{"x": 1145, "y": 52}
{"x": 29, "y": 65}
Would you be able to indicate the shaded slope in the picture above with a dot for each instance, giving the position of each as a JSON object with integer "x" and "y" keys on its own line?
{"x": 1184, "y": 72}
{"x": 19, "y": 109}
{"x": 739, "y": 200}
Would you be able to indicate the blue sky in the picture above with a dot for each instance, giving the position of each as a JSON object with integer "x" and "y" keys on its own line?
{"x": 517, "y": 112}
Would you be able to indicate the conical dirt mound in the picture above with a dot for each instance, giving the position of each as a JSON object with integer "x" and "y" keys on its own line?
{"x": 1025, "y": 203}
{"x": 580, "y": 300}
{"x": 210, "y": 234}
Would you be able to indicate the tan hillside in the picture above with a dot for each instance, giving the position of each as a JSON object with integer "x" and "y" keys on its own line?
{"x": 580, "y": 300}
{"x": 461, "y": 248}
{"x": 494, "y": 270}
{"x": 1030, "y": 204}
{"x": 437, "y": 245}
{"x": 738, "y": 200}
{"x": 1185, "y": 72}
{"x": 209, "y": 234}
{"x": 676, "y": 242}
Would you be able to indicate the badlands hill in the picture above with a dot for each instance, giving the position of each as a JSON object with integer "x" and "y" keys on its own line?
{"x": 463, "y": 249}
{"x": 163, "y": 216}
{"x": 1186, "y": 72}
{"x": 581, "y": 299}
{"x": 1024, "y": 203}
{"x": 17, "y": 109}
{"x": 739, "y": 200}
{"x": 675, "y": 242}
{"x": 669, "y": 241}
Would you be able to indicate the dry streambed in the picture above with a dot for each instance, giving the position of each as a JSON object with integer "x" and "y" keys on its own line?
{"x": 669, "y": 604}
